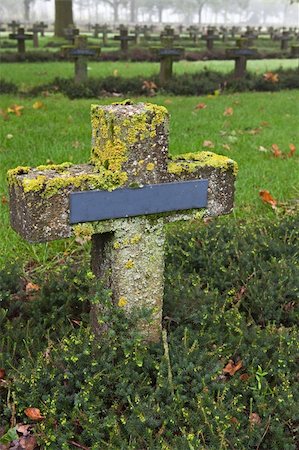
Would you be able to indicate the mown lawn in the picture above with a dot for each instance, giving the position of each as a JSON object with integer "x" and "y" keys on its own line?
{"x": 27, "y": 75}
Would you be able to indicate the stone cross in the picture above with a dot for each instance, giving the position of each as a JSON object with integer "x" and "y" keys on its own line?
{"x": 13, "y": 25}
{"x": 71, "y": 33}
{"x": 193, "y": 33}
{"x": 210, "y": 37}
{"x": 42, "y": 27}
{"x": 251, "y": 35}
{"x": 137, "y": 32}
{"x": 21, "y": 37}
{"x": 284, "y": 40}
{"x": 80, "y": 52}
{"x": 122, "y": 199}
{"x": 96, "y": 29}
{"x": 35, "y": 30}
{"x": 124, "y": 39}
{"x": 167, "y": 53}
{"x": 295, "y": 51}
{"x": 241, "y": 54}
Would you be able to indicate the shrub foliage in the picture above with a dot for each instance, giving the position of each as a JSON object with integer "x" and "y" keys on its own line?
{"x": 230, "y": 294}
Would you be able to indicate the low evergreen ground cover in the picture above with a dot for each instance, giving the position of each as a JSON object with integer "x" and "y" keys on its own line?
{"x": 229, "y": 315}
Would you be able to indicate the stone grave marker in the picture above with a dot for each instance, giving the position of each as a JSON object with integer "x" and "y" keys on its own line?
{"x": 14, "y": 25}
{"x": 284, "y": 38}
{"x": 21, "y": 37}
{"x": 295, "y": 51}
{"x": 251, "y": 35}
{"x": 42, "y": 27}
{"x": 71, "y": 33}
{"x": 80, "y": 52}
{"x": 35, "y": 30}
{"x": 193, "y": 33}
{"x": 241, "y": 54}
{"x": 210, "y": 37}
{"x": 137, "y": 33}
{"x": 104, "y": 29}
{"x": 124, "y": 39}
{"x": 167, "y": 53}
{"x": 96, "y": 29}
{"x": 122, "y": 199}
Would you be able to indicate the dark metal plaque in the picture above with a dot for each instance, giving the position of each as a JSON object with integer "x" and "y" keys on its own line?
{"x": 89, "y": 206}
{"x": 170, "y": 52}
{"x": 82, "y": 52}
{"x": 245, "y": 52}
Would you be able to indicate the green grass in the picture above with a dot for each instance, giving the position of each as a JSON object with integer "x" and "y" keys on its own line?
{"x": 60, "y": 131}
{"x": 28, "y": 75}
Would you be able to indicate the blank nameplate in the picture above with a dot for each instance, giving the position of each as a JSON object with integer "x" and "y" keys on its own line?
{"x": 89, "y": 206}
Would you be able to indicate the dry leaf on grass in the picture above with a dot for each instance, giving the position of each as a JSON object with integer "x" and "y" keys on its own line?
{"x": 231, "y": 367}
{"x": 267, "y": 198}
{"x": 33, "y": 413}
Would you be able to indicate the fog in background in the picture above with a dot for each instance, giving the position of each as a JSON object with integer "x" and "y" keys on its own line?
{"x": 225, "y": 12}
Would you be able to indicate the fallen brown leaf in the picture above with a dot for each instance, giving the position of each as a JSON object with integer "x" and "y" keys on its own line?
{"x": 267, "y": 198}
{"x": 33, "y": 413}
{"x": 4, "y": 200}
{"x": 276, "y": 151}
{"x": 2, "y": 374}
{"x": 231, "y": 368}
{"x": 31, "y": 287}
{"x": 254, "y": 419}
{"x": 15, "y": 109}
{"x": 208, "y": 144}
{"x": 228, "y": 111}
{"x": 200, "y": 106}
{"x": 271, "y": 77}
{"x": 292, "y": 150}
{"x": 244, "y": 376}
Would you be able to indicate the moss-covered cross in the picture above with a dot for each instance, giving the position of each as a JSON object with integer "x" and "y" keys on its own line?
{"x": 129, "y": 151}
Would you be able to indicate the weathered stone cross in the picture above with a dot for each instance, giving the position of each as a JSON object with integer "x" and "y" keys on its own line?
{"x": 241, "y": 54}
{"x": 122, "y": 200}
{"x": 167, "y": 53}
{"x": 80, "y": 52}
{"x": 21, "y": 37}
{"x": 124, "y": 39}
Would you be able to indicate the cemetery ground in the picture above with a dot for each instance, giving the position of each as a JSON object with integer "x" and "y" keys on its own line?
{"x": 225, "y": 374}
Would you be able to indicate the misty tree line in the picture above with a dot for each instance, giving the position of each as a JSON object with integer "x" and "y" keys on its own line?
{"x": 190, "y": 11}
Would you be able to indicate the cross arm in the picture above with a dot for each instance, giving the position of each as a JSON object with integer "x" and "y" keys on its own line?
{"x": 220, "y": 172}
{"x": 39, "y": 198}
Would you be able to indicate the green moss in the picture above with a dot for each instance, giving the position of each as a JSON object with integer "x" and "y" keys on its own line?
{"x": 189, "y": 162}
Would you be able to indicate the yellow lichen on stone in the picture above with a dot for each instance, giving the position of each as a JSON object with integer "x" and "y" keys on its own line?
{"x": 129, "y": 264}
{"x": 34, "y": 184}
{"x": 114, "y": 134}
{"x": 116, "y": 245}
{"x": 150, "y": 166}
{"x": 57, "y": 167}
{"x": 83, "y": 232}
{"x": 13, "y": 173}
{"x": 122, "y": 302}
{"x": 189, "y": 162}
{"x": 135, "y": 239}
